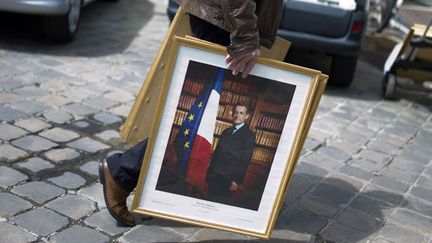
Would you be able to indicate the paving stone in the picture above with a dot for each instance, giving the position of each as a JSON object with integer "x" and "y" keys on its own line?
{"x": 377, "y": 209}
{"x": 68, "y": 180}
{"x": 63, "y": 154}
{"x": 10, "y": 114}
{"x": 79, "y": 234}
{"x": 299, "y": 185}
{"x": 343, "y": 115}
{"x": 72, "y": 206}
{"x": 31, "y": 220}
{"x": 356, "y": 172}
{"x": 58, "y": 116}
{"x": 309, "y": 169}
{"x": 382, "y": 147}
{"x": 391, "y": 184}
{"x": 311, "y": 144}
{"x": 90, "y": 168}
{"x": 319, "y": 206}
{"x": 414, "y": 156}
{"x": 36, "y": 164}
{"x": 406, "y": 165}
{"x": 34, "y": 143}
{"x": 374, "y": 156}
{"x": 359, "y": 220}
{"x": 299, "y": 220}
{"x": 38, "y": 191}
{"x": 78, "y": 93}
{"x": 370, "y": 166}
{"x": 12, "y": 233}
{"x": 103, "y": 221}
{"x": 106, "y": 118}
{"x": 371, "y": 124}
{"x": 398, "y": 234}
{"x": 365, "y": 132}
{"x": 9, "y": 153}
{"x": 109, "y": 136}
{"x": 119, "y": 95}
{"x": 88, "y": 145}
{"x": 400, "y": 175}
{"x": 30, "y": 107}
{"x": 95, "y": 193}
{"x": 345, "y": 146}
{"x": 337, "y": 232}
{"x": 55, "y": 100}
{"x": 122, "y": 110}
{"x": 422, "y": 192}
{"x": 11, "y": 204}
{"x": 381, "y": 115}
{"x": 59, "y": 135}
{"x": 344, "y": 182}
{"x": 10, "y": 177}
{"x": 286, "y": 235}
{"x": 8, "y": 132}
{"x": 425, "y": 182}
{"x": 79, "y": 109}
{"x": 391, "y": 139}
{"x": 333, "y": 194}
{"x": 101, "y": 103}
{"x": 383, "y": 194}
{"x": 411, "y": 220}
{"x": 86, "y": 126}
{"x": 30, "y": 92}
{"x": 32, "y": 124}
{"x": 319, "y": 135}
{"x": 157, "y": 234}
{"x": 418, "y": 205}
{"x": 334, "y": 153}
{"x": 353, "y": 137}
{"x": 8, "y": 98}
{"x": 321, "y": 161}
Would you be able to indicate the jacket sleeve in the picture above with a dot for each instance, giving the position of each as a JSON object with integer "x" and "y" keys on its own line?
{"x": 242, "y": 21}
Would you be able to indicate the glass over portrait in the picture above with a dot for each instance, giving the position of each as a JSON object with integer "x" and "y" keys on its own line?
{"x": 222, "y": 147}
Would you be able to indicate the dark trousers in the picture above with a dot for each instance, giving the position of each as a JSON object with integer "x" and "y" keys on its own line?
{"x": 125, "y": 167}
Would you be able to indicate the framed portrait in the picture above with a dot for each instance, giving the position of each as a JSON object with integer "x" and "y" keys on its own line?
{"x": 222, "y": 149}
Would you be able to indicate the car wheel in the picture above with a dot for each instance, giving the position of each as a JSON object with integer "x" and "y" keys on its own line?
{"x": 342, "y": 70}
{"x": 64, "y": 27}
{"x": 389, "y": 86}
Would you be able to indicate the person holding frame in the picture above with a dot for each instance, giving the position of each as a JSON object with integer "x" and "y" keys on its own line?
{"x": 241, "y": 25}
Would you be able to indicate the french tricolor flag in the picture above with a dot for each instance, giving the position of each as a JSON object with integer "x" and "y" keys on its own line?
{"x": 193, "y": 142}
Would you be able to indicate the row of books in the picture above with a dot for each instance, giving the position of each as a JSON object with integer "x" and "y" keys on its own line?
{"x": 271, "y": 123}
{"x": 275, "y": 108}
{"x": 173, "y": 134}
{"x": 215, "y": 143}
{"x": 192, "y": 86}
{"x": 221, "y": 126}
{"x": 225, "y": 111}
{"x": 267, "y": 138}
{"x": 186, "y": 102}
{"x": 180, "y": 117}
{"x": 263, "y": 155}
{"x": 228, "y": 84}
{"x": 232, "y": 98}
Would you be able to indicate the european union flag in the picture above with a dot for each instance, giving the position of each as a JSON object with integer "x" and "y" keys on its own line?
{"x": 188, "y": 131}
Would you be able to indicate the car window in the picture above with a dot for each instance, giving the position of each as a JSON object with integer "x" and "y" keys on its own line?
{"x": 344, "y": 4}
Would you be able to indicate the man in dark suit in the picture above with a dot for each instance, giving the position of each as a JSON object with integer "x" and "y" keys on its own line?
{"x": 231, "y": 158}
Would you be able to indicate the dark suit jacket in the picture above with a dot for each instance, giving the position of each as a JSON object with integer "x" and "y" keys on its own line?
{"x": 232, "y": 155}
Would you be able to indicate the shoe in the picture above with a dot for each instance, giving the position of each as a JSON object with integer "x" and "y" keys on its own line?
{"x": 115, "y": 196}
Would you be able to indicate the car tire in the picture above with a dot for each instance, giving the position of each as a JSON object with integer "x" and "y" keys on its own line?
{"x": 342, "y": 70}
{"x": 64, "y": 27}
{"x": 389, "y": 86}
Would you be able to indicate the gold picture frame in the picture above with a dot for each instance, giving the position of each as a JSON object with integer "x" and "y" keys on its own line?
{"x": 279, "y": 100}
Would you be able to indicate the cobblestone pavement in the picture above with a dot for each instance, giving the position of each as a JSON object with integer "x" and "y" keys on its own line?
{"x": 365, "y": 173}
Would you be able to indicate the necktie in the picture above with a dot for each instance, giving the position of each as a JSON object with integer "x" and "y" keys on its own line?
{"x": 234, "y": 130}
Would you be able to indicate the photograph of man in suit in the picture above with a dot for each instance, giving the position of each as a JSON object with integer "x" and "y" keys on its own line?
{"x": 231, "y": 158}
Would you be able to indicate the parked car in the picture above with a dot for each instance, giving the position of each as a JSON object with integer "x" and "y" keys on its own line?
{"x": 335, "y": 27}
{"x": 60, "y": 17}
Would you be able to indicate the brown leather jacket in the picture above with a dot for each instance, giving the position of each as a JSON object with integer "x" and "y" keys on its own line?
{"x": 251, "y": 23}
